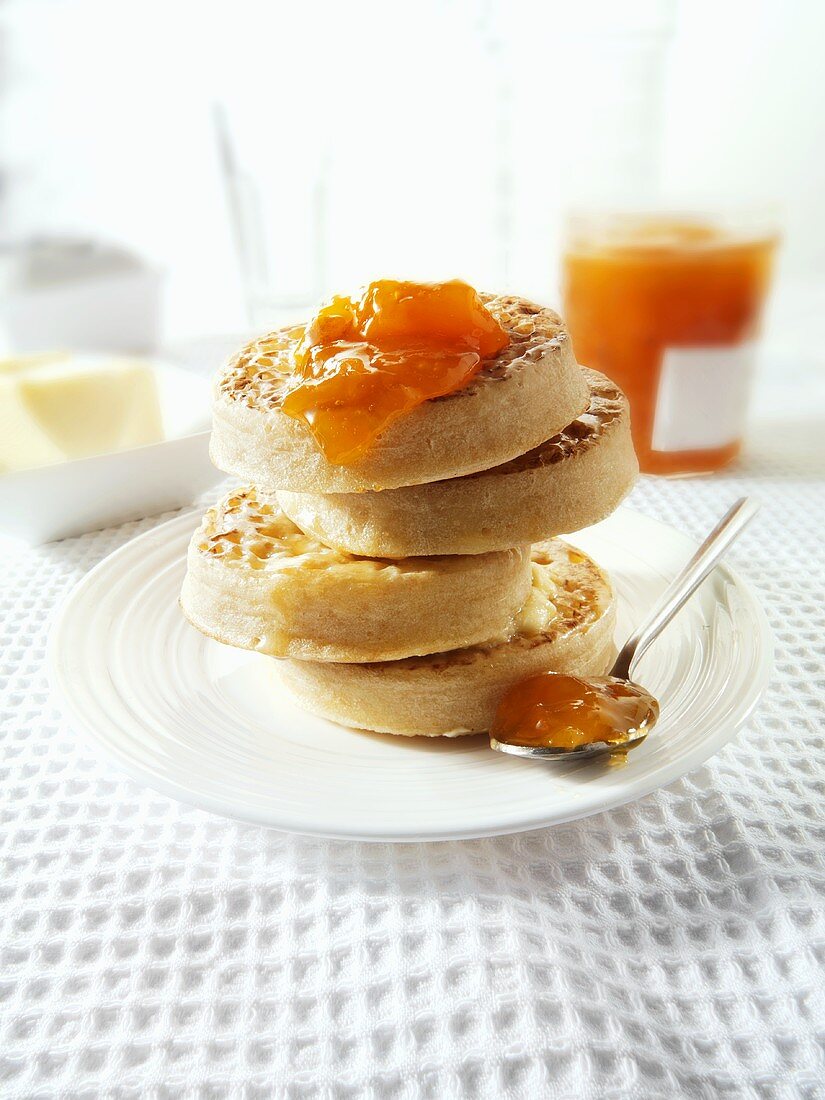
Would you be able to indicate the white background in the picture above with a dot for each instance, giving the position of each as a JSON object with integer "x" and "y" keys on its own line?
{"x": 441, "y": 138}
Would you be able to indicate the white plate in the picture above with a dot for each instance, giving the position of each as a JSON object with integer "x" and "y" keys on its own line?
{"x": 212, "y": 725}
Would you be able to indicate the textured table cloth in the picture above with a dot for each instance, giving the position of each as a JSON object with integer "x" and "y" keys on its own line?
{"x": 675, "y": 947}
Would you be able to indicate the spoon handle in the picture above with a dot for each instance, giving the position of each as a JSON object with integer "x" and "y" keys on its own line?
{"x": 682, "y": 587}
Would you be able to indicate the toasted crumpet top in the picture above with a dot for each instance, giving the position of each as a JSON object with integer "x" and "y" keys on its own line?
{"x": 251, "y": 532}
{"x": 259, "y": 374}
{"x": 607, "y": 404}
{"x": 243, "y": 528}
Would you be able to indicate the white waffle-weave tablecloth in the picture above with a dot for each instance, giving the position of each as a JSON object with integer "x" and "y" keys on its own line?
{"x": 672, "y": 948}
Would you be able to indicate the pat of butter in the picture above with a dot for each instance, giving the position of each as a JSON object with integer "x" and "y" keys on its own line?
{"x": 539, "y": 610}
{"x": 58, "y": 408}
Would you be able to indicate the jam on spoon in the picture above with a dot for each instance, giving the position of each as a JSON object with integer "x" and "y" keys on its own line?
{"x": 554, "y": 714}
{"x": 363, "y": 362}
{"x": 567, "y": 713}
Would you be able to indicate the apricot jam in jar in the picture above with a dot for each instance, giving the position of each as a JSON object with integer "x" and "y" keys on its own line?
{"x": 669, "y": 307}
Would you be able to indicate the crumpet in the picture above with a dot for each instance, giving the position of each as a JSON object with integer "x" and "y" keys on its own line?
{"x": 254, "y": 580}
{"x": 527, "y": 392}
{"x": 566, "y": 625}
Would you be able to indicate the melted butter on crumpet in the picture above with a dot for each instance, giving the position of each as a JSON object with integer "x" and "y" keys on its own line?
{"x": 249, "y": 531}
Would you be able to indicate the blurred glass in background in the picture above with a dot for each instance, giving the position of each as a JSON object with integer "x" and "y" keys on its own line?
{"x": 669, "y": 305}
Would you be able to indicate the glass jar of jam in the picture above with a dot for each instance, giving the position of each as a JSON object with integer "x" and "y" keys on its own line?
{"x": 669, "y": 307}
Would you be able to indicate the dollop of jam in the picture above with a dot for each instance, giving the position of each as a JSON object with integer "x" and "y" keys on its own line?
{"x": 556, "y": 711}
{"x": 364, "y": 362}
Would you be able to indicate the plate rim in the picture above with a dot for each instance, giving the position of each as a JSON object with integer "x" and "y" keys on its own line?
{"x": 658, "y": 780}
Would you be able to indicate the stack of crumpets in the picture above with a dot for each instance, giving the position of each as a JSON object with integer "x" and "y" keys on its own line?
{"x": 406, "y": 461}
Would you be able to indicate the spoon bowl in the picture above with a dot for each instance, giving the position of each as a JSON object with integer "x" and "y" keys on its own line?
{"x": 581, "y": 752}
{"x": 555, "y": 714}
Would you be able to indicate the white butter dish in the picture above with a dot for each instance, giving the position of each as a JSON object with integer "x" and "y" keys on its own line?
{"x": 69, "y": 498}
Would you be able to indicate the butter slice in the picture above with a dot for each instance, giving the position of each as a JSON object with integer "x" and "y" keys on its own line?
{"x": 58, "y": 408}
{"x": 539, "y": 609}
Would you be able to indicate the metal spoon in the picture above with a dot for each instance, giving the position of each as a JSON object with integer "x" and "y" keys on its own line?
{"x": 675, "y": 596}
